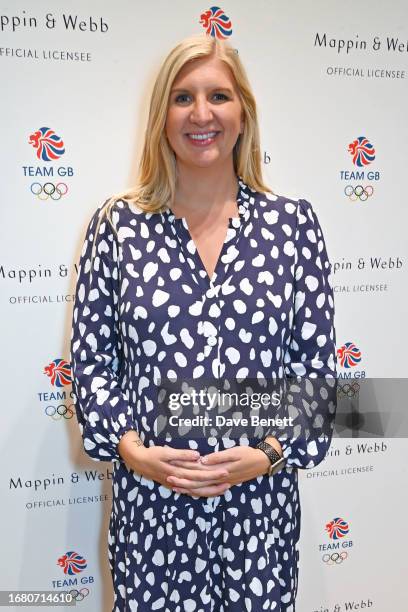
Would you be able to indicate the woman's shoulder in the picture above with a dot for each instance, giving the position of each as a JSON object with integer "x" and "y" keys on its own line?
{"x": 118, "y": 214}
{"x": 285, "y": 206}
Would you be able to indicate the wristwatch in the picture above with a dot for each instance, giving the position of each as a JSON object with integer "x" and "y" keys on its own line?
{"x": 277, "y": 461}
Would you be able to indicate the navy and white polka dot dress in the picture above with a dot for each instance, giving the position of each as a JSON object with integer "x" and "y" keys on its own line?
{"x": 146, "y": 309}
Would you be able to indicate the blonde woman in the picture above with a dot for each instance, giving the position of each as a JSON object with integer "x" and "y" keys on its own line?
{"x": 200, "y": 272}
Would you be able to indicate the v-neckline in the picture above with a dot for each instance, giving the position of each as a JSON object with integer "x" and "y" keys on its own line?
{"x": 210, "y": 279}
{"x": 234, "y": 224}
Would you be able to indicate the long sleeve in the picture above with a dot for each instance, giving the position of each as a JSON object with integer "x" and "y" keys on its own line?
{"x": 103, "y": 410}
{"x": 310, "y": 356}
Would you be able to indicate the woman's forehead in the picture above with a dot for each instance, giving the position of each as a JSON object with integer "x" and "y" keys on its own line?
{"x": 208, "y": 68}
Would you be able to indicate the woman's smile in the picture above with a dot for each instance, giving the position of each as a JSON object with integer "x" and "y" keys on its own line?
{"x": 202, "y": 140}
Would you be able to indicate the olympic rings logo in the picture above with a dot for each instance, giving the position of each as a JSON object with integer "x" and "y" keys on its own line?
{"x": 78, "y": 595}
{"x": 59, "y": 412}
{"x": 359, "y": 192}
{"x": 348, "y": 390}
{"x": 49, "y": 190}
{"x": 335, "y": 558}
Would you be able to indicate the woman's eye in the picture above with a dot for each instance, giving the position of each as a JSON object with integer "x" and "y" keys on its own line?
{"x": 223, "y": 96}
{"x": 181, "y": 98}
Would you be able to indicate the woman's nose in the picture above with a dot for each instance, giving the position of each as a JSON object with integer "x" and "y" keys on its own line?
{"x": 201, "y": 111}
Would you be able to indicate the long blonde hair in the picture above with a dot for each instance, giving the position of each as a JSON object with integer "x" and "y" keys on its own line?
{"x": 156, "y": 181}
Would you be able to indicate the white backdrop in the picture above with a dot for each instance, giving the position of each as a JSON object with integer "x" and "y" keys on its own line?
{"x": 325, "y": 74}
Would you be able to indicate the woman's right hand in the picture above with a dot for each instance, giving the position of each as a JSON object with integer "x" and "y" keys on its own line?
{"x": 153, "y": 462}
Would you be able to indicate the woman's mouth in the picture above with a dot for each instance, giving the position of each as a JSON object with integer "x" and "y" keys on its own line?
{"x": 202, "y": 140}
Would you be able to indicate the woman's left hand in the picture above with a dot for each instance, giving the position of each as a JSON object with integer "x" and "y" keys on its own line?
{"x": 241, "y": 462}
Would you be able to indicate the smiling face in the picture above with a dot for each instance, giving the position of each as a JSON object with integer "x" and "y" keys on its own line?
{"x": 205, "y": 116}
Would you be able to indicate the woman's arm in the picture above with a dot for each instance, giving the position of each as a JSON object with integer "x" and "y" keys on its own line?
{"x": 310, "y": 356}
{"x": 103, "y": 409}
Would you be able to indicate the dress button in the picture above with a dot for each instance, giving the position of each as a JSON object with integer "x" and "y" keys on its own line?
{"x": 212, "y": 340}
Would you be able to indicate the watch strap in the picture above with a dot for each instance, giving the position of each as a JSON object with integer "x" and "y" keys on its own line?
{"x": 272, "y": 454}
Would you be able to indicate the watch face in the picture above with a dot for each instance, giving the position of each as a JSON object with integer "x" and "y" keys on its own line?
{"x": 275, "y": 467}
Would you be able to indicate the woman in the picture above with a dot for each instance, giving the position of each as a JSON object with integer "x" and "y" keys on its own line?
{"x": 199, "y": 273}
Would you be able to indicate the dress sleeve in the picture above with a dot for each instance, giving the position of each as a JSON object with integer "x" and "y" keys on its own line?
{"x": 103, "y": 410}
{"x": 310, "y": 357}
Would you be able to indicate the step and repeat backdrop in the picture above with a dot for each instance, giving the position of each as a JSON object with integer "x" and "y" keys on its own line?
{"x": 331, "y": 80}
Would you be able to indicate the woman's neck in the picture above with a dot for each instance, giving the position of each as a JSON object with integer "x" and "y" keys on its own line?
{"x": 199, "y": 190}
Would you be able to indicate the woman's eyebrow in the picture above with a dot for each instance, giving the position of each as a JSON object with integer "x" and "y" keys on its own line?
{"x": 211, "y": 89}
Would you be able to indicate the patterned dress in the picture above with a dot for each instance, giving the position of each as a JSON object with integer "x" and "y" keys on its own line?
{"x": 146, "y": 309}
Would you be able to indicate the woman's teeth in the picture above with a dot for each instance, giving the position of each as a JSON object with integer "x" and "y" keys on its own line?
{"x": 202, "y": 136}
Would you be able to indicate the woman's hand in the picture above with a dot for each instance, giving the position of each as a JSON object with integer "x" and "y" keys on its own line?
{"x": 184, "y": 471}
{"x": 156, "y": 463}
{"x": 240, "y": 463}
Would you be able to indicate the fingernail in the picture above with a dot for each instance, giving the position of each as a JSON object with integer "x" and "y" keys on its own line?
{"x": 204, "y": 459}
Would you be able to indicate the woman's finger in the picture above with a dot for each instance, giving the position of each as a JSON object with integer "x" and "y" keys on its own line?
{"x": 210, "y": 491}
{"x": 197, "y": 465}
{"x": 198, "y": 476}
{"x": 194, "y": 484}
{"x": 229, "y": 454}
